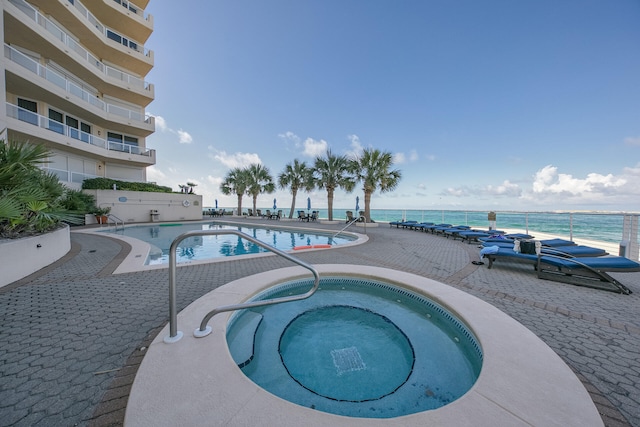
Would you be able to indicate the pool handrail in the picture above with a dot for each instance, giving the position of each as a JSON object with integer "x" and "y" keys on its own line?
{"x": 204, "y": 329}
{"x": 350, "y": 223}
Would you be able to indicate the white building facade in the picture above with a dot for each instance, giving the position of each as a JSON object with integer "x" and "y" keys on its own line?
{"x": 73, "y": 74}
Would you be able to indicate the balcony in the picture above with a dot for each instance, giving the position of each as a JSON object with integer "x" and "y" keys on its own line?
{"x": 102, "y": 41}
{"x": 80, "y": 94}
{"x": 42, "y": 122}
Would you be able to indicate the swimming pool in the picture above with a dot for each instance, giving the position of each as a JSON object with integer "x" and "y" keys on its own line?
{"x": 357, "y": 347}
{"x": 160, "y": 237}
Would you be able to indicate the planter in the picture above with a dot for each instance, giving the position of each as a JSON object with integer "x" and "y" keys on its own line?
{"x": 25, "y": 256}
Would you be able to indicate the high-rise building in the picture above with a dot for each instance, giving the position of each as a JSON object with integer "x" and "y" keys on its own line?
{"x": 73, "y": 74}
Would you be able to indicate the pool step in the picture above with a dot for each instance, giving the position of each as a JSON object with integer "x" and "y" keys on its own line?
{"x": 242, "y": 345}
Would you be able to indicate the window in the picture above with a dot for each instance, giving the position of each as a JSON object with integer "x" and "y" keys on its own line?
{"x": 122, "y": 40}
{"x": 72, "y": 124}
{"x": 122, "y": 142}
{"x": 28, "y": 111}
{"x": 77, "y": 129}
{"x": 55, "y": 121}
{"x": 85, "y": 133}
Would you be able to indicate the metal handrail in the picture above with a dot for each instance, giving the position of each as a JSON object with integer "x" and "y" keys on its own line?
{"x": 204, "y": 329}
{"x": 349, "y": 224}
{"x": 115, "y": 220}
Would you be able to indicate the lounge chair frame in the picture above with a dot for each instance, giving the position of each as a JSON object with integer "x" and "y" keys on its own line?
{"x": 575, "y": 272}
{"x": 570, "y": 270}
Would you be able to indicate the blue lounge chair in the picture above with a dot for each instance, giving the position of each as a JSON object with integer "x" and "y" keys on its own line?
{"x": 591, "y": 272}
{"x": 433, "y": 228}
{"x": 572, "y": 251}
{"x": 406, "y": 224}
{"x": 557, "y": 242}
{"x": 421, "y": 226}
{"x": 581, "y": 271}
{"x": 454, "y": 231}
{"x": 473, "y": 235}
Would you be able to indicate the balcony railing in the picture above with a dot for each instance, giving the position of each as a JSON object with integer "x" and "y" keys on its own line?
{"x": 71, "y": 87}
{"x": 59, "y": 34}
{"x": 132, "y": 44}
{"x": 69, "y": 176}
{"x": 71, "y": 132}
{"x": 131, "y": 7}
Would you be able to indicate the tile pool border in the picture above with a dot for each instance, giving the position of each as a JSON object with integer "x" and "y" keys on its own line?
{"x": 134, "y": 261}
{"x": 195, "y": 381}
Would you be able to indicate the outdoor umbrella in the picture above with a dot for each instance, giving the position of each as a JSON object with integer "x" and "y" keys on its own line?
{"x": 357, "y": 204}
{"x": 308, "y": 203}
{"x": 274, "y": 205}
{"x": 216, "y": 204}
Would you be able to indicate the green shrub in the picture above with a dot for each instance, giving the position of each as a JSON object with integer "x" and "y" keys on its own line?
{"x": 107, "y": 184}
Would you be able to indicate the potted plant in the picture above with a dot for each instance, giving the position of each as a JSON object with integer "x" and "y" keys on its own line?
{"x": 101, "y": 214}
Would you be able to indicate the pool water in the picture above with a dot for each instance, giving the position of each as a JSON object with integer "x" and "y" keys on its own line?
{"x": 198, "y": 248}
{"x": 357, "y": 347}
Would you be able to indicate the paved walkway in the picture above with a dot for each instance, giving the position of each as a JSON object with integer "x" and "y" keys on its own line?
{"x": 73, "y": 334}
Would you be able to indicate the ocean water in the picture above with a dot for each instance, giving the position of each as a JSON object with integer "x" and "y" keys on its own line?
{"x": 605, "y": 227}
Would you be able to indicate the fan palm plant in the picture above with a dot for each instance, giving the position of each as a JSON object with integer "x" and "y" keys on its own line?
{"x": 373, "y": 169}
{"x": 296, "y": 176}
{"x": 30, "y": 198}
{"x": 332, "y": 172}
{"x": 259, "y": 180}
{"x": 235, "y": 182}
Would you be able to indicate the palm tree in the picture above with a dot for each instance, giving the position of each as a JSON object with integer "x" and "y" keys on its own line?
{"x": 373, "y": 169}
{"x": 259, "y": 181}
{"x": 333, "y": 172}
{"x": 235, "y": 183}
{"x": 296, "y": 175}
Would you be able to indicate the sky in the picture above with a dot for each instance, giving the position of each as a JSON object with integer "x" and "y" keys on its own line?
{"x": 529, "y": 105}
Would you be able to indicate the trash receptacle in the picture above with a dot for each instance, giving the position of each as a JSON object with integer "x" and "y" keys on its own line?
{"x": 155, "y": 216}
{"x": 492, "y": 220}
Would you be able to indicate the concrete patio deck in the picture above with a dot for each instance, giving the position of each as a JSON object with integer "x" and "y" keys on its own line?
{"x": 73, "y": 334}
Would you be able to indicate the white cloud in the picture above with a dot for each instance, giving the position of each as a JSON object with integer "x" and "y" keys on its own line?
{"x": 457, "y": 192}
{"x": 548, "y": 180}
{"x": 431, "y": 157}
{"x": 356, "y": 146}
{"x": 215, "y": 180}
{"x": 632, "y": 140}
{"x": 399, "y": 158}
{"x": 505, "y": 189}
{"x": 183, "y": 136}
{"x": 313, "y": 148}
{"x": 290, "y": 136}
{"x": 237, "y": 160}
{"x": 160, "y": 123}
{"x": 154, "y": 174}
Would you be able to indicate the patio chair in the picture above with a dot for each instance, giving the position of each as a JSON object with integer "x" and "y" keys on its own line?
{"x": 350, "y": 217}
{"x": 314, "y": 215}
